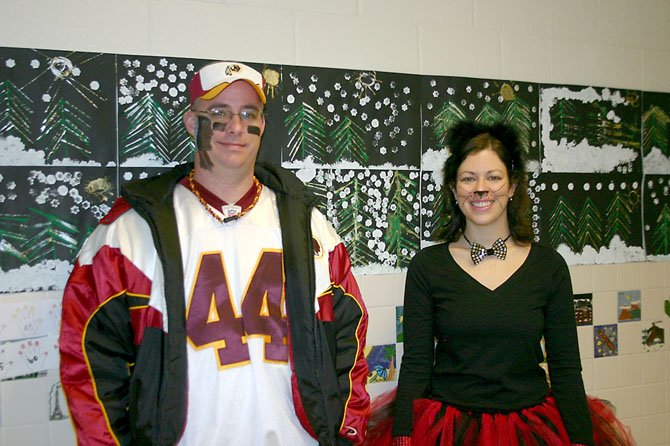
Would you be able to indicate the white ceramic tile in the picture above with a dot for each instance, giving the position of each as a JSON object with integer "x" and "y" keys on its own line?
{"x": 378, "y": 290}
{"x": 654, "y": 430}
{"x": 240, "y": 43}
{"x": 653, "y": 274}
{"x": 77, "y": 25}
{"x": 630, "y": 402}
{"x": 630, "y": 338}
{"x": 460, "y": 51}
{"x": 497, "y": 15}
{"x": 381, "y": 326}
{"x": 605, "y": 309}
{"x": 587, "y": 374}
{"x": 525, "y": 57}
{"x": 653, "y": 367}
{"x": 26, "y": 435}
{"x": 606, "y": 373}
{"x": 629, "y": 276}
{"x": 654, "y": 399}
{"x": 653, "y": 305}
{"x": 342, "y": 41}
{"x": 399, "y": 287}
{"x": 445, "y": 12}
{"x": 630, "y": 370}
{"x": 610, "y": 395}
{"x": 604, "y": 278}
{"x": 574, "y": 19}
{"x": 585, "y": 339}
{"x": 634, "y": 426}
{"x": 582, "y": 278}
{"x": 24, "y": 401}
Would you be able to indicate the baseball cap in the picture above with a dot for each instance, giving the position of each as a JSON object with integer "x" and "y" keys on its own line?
{"x": 213, "y": 78}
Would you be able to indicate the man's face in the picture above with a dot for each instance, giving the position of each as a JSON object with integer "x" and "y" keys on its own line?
{"x": 231, "y": 126}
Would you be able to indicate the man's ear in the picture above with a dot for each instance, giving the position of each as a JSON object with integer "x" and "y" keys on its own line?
{"x": 190, "y": 121}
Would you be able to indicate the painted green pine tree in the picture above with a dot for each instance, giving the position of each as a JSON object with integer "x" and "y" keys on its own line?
{"x": 12, "y": 236}
{"x": 565, "y": 121}
{"x": 441, "y": 216}
{"x": 488, "y": 115}
{"x": 607, "y": 131}
{"x": 401, "y": 237}
{"x": 181, "y": 145}
{"x": 448, "y": 115}
{"x": 660, "y": 239}
{"x": 589, "y": 226}
{"x": 64, "y": 131}
{"x": 518, "y": 114}
{"x": 306, "y": 129}
{"x": 15, "y": 112}
{"x": 53, "y": 232}
{"x": 353, "y": 222}
{"x": 618, "y": 218}
{"x": 148, "y": 130}
{"x": 562, "y": 223}
{"x": 656, "y": 125}
{"x": 349, "y": 143}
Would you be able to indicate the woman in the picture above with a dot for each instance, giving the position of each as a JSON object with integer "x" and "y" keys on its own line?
{"x": 476, "y": 309}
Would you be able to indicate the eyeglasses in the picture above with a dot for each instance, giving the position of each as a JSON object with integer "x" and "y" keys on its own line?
{"x": 224, "y": 115}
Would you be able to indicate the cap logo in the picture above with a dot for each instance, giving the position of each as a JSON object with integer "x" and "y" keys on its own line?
{"x": 234, "y": 68}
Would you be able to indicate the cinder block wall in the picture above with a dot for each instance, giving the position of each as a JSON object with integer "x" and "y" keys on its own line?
{"x": 608, "y": 43}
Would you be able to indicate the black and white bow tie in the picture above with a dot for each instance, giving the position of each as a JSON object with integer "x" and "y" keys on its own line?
{"x": 478, "y": 252}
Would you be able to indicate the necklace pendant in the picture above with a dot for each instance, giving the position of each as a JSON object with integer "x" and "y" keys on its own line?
{"x": 231, "y": 211}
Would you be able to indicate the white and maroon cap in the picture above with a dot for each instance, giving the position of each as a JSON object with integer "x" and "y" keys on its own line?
{"x": 213, "y": 78}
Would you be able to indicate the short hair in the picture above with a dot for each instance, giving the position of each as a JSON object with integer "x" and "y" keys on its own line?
{"x": 466, "y": 138}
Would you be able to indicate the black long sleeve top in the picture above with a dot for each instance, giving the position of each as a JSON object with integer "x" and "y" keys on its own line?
{"x": 479, "y": 349}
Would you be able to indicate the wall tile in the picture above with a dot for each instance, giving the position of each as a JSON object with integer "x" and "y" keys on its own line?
{"x": 582, "y": 278}
{"x": 630, "y": 402}
{"x": 654, "y": 399}
{"x": 654, "y": 430}
{"x": 604, "y": 308}
{"x": 381, "y": 326}
{"x": 399, "y": 286}
{"x": 629, "y": 276}
{"x": 606, "y": 373}
{"x": 459, "y": 51}
{"x": 653, "y": 274}
{"x": 574, "y": 19}
{"x": 444, "y": 12}
{"x": 653, "y": 367}
{"x": 630, "y": 370}
{"x": 365, "y": 44}
{"x": 585, "y": 339}
{"x": 525, "y": 57}
{"x": 496, "y": 15}
{"x": 630, "y": 338}
{"x": 623, "y": 64}
{"x": 605, "y": 277}
{"x": 587, "y": 374}
{"x": 378, "y": 290}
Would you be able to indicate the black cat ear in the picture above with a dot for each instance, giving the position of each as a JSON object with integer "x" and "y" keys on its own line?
{"x": 506, "y": 135}
{"x": 462, "y": 132}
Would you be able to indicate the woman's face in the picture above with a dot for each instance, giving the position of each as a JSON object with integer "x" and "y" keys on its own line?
{"x": 483, "y": 188}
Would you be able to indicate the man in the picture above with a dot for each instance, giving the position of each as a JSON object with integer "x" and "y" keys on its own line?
{"x": 214, "y": 305}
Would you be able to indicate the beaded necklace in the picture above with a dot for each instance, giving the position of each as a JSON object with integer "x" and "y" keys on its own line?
{"x": 217, "y": 217}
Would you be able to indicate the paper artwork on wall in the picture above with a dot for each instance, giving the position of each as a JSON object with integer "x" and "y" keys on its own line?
{"x": 653, "y": 337}
{"x": 381, "y": 360}
{"x": 605, "y": 340}
{"x": 629, "y": 306}
{"x": 75, "y": 126}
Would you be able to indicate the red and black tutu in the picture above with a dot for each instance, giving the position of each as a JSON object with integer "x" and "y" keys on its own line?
{"x": 436, "y": 423}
